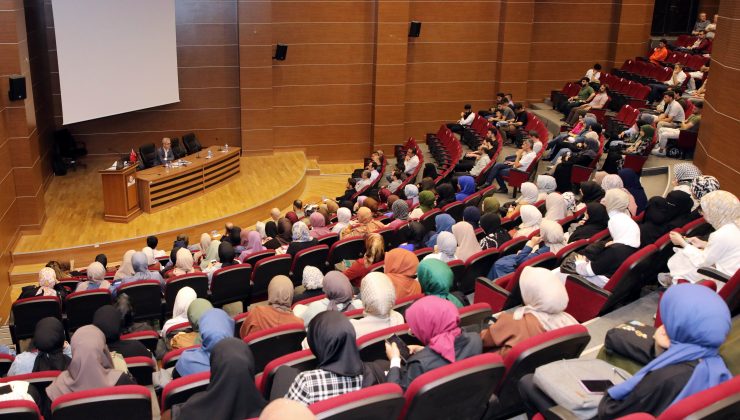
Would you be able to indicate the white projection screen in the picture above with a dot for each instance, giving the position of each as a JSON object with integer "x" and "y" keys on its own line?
{"x": 115, "y": 56}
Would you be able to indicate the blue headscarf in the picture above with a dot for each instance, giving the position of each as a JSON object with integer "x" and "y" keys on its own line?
{"x": 471, "y": 214}
{"x": 631, "y": 182}
{"x": 215, "y": 325}
{"x": 444, "y": 223}
{"x": 467, "y": 187}
{"x": 697, "y": 322}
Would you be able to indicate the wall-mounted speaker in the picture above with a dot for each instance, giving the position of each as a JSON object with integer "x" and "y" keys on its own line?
{"x": 281, "y": 51}
{"x": 17, "y": 87}
{"x": 414, "y": 29}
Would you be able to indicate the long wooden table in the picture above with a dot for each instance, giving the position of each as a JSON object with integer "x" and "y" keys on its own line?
{"x": 160, "y": 187}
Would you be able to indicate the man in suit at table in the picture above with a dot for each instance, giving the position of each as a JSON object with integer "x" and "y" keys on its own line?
{"x": 165, "y": 153}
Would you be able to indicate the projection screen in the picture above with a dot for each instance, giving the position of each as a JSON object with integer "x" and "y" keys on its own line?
{"x": 115, "y": 56}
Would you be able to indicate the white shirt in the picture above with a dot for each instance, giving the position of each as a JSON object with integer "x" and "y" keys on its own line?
{"x": 467, "y": 120}
{"x": 362, "y": 184}
{"x": 675, "y": 111}
{"x": 599, "y": 100}
{"x": 537, "y": 146}
{"x": 680, "y": 77}
{"x": 526, "y": 160}
{"x": 411, "y": 164}
{"x": 480, "y": 163}
{"x": 722, "y": 252}
{"x": 593, "y": 75}
{"x": 374, "y": 175}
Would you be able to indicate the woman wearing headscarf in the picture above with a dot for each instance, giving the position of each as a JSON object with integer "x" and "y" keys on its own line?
{"x": 445, "y": 249}
{"x": 591, "y": 192}
{"x": 184, "y": 260}
{"x": 271, "y": 233}
{"x": 655, "y": 223}
{"x": 215, "y": 325}
{"x": 196, "y": 309}
{"x": 284, "y": 235}
{"x": 411, "y": 192}
{"x": 339, "y": 297}
{"x": 400, "y": 214}
{"x": 95, "y": 278}
{"x": 226, "y": 258}
{"x": 126, "y": 269}
{"x": 231, "y": 393}
{"x": 721, "y": 251}
{"x": 302, "y": 239}
{"x": 530, "y": 195}
{"x": 495, "y": 234}
{"x": 436, "y": 279}
{"x": 683, "y": 174}
{"x": 611, "y": 182}
{"x": 47, "y": 285}
{"x": 318, "y": 225}
{"x": 253, "y": 245}
{"x": 531, "y": 218}
{"x": 184, "y": 298}
{"x": 631, "y": 182}
{"x": 695, "y": 323}
{"x": 205, "y": 242}
{"x": 343, "y": 217}
{"x": 400, "y": 267}
{"x": 292, "y": 217}
{"x": 277, "y": 311}
{"x": 413, "y": 238}
{"x": 683, "y": 204}
{"x": 471, "y": 214}
{"x": 91, "y": 366}
{"x": 374, "y": 253}
{"x": 260, "y": 228}
{"x": 445, "y": 195}
{"x": 48, "y": 350}
{"x": 141, "y": 272}
{"x": 443, "y": 223}
{"x": 208, "y": 259}
{"x": 545, "y": 299}
{"x": 467, "y": 243}
{"x": 490, "y": 205}
{"x": 108, "y": 320}
{"x": 378, "y": 297}
{"x": 332, "y": 340}
{"x": 363, "y": 225}
{"x": 312, "y": 283}
{"x": 556, "y": 207}
{"x": 427, "y": 184}
{"x": 466, "y": 184}
{"x": 595, "y": 220}
{"x": 435, "y": 322}
{"x": 426, "y": 203}
{"x": 550, "y": 239}
{"x": 545, "y": 185}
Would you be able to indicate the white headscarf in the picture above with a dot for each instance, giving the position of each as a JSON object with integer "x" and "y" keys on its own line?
{"x": 149, "y": 255}
{"x": 260, "y": 227}
{"x": 552, "y": 235}
{"x": 545, "y": 297}
{"x": 301, "y": 232}
{"x": 556, "y": 208}
{"x": 378, "y": 294}
{"x": 126, "y": 269}
{"x": 343, "y": 216}
{"x": 611, "y": 181}
{"x": 205, "y": 242}
{"x": 313, "y": 278}
{"x": 447, "y": 246}
{"x": 184, "y": 298}
{"x": 616, "y": 201}
{"x": 624, "y": 230}
{"x": 529, "y": 193}
{"x": 465, "y": 237}
{"x": 720, "y": 208}
{"x": 531, "y": 216}
{"x": 546, "y": 184}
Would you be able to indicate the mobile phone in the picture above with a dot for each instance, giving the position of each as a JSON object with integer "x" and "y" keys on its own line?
{"x": 597, "y": 386}
{"x": 5, "y": 389}
{"x": 402, "y": 347}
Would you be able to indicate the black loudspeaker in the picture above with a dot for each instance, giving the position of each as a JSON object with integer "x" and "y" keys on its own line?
{"x": 17, "y": 87}
{"x": 415, "y": 29}
{"x": 280, "y": 52}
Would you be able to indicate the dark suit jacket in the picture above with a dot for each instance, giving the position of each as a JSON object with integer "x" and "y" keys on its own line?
{"x": 160, "y": 155}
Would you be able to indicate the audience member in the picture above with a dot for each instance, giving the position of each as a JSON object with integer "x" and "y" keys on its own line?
{"x": 283, "y": 408}
{"x": 466, "y": 184}
{"x": 48, "y": 350}
{"x": 495, "y": 234}
{"x": 412, "y": 237}
{"x": 410, "y": 162}
{"x": 445, "y": 195}
{"x": 674, "y": 82}
{"x": 184, "y": 298}
{"x": 302, "y": 239}
{"x": 215, "y": 325}
{"x": 595, "y": 220}
{"x": 312, "y": 283}
{"x": 378, "y": 297}
{"x": 471, "y": 215}
{"x": 446, "y": 247}
{"x": 550, "y": 239}
{"x": 363, "y": 225}
{"x": 436, "y": 279}
{"x": 426, "y": 203}
{"x": 126, "y": 269}
{"x": 400, "y": 214}
{"x": 660, "y": 52}
{"x": 585, "y": 94}
{"x": 95, "y": 278}
{"x": 400, "y": 267}
{"x": 502, "y": 169}
{"x": 374, "y": 253}
{"x": 665, "y": 134}
{"x": 339, "y": 297}
{"x": 277, "y": 311}
{"x": 467, "y": 243}
{"x": 109, "y": 320}
{"x": 611, "y": 182}
{"x": 701, "y": 24}
{"x": 196, "y": 309}
{"x": 531, "y": 218}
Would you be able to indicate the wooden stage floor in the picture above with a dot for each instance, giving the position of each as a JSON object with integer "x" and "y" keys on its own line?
{"x": 74, "y": 209}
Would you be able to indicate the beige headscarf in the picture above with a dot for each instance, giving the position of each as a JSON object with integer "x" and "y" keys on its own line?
{"x": 529, "y": 194}
{"x": 127, "y": 268}
{"x": 378, "y": 294}
{"x": 210, "y": 254}
{"x": 616, "y": 200}
{"x": 467, "y": 244}
{"x": 720, "y": 208}
{"x": 183, "y": 262}
{"x": 47, "y": 281}
{"x": 205, "y": 241}
{"x": 552, "y": 235}
{"x": 149, "y": 255}
{"x": 556, "y": 208}
{"x": 545, "y": 297}
{"x": 96, "y": 272}
{"x": 280, "y": 293}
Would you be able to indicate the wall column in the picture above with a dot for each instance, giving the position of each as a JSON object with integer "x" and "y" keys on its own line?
{"x": 515, "y": 35}
{"x": 631, "y": 30}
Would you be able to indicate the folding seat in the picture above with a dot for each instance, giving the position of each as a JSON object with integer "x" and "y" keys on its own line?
{"x": 21, "y": 410}
{"x": 479, "y": 234}
{"x": 314, "y": 256}
{"x": 5, "y": 361}
{"x": 309, "y": 300}
{"x": 355, "y": 313}
{"x": 389, "y": 237}
{"x": 328, "y": 239}
{"x": 404, "y": 303}
{"x": 148, "y": 338}
{"x": 177, "y": 149}
{"x": 275, "y": 342}
{"x": 599, "y": 236}
{"x": 529, "y": 354}
{"x": 479, "y": 264}
{"x": 197, "y": 281}
{"x": 252, "y": 259}
{"x": 512, "y": 246}
{"x": 111, "y": 403}
{"x": 171, "y": 357}
{"x": 576, "y": 246}
{"x": 383, "y": 401}
{"x": 27, "y": 312}
{"x": 81, "y": 306}
{"x": 301, "y": 360}
{"x": 475, "y": 314}
{"x": 176, "y": 329}
{"x": 588, "y": 300}
{"x": 71, "y": 282}
{"x": 508, "y": 223}
{"x": 454, "y": 209}
{"x": 427, "y": 219}
{"x": 459, "y": 390}
{"x": 179, "y": 390}
{"x": 423, "y": 252}
{"x": 346, "y": 249}
{"x": 517, "y": 177}
{"x": 141, "y": 368}
{"x": 145, "y": 297}
{"x": 472, "y": 199}
{"x": 372, "y": 346}
{"x": 191, "y": 143}
{"x": 730, "y": 292}
{"x": 265, "y": 270}
{"x": 698, "y": 227}
{"x": 38, "y": 380}
{"x": 231, "y": 284}
{"x": 458, "y": 270}
{"x": 148, "y": 154}
{"x": 716, "y": 403}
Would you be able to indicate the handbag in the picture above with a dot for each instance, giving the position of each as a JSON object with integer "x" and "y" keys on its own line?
{"x": 633, "y": 340}
{"x": 568, "y": 266}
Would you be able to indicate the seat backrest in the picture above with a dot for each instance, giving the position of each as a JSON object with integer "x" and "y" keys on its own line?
{"x": 512, "y": 246}
{"x": 231, "y": 284}
{"x": 300, "y": 360}
{"x": 328, "y": 239}
{"x": 716, "y": 403}
{"x": 148, "y": 338}
{"x": 423, "y": 252}
{"x": 457, "y": 390}
{"x": 383, "y": 401}
{"x": 177, "y": 149}
{"x": 427, "y": 219}
{"x": 458, "y": 270}
{"x": 191, "y": 143}
{"x": 275, "y": 342}
{"x": 266, "y": 269}
{"x": 474, "y": 314}
{"x": 39, "y": 380}
{"x": 699, "y": 227}
{"x": 141, "y": 368}
{"x": 346, "y": 249}
{"x": 402, "y": 304}
{"x": 477, "y": 265}
{"x": 145, "y": 297}
{"x": 571, "y": 247}
{"x": 117, "y": 402}
{"x": 148, "y": 154}
{"x": 81, "y": 306}
{"x": 179, "y": 390}
{"x": 5, "y": 361}
{"x": 731, "y": 293}
{"x": 372, "y": 346}
{"x": 313, "y": 256}
{"x": 454, "y": 209}
{"x": 171, "y": 357}
{"x": 22, "y": 410}
{"x": 198, "y": 281}
{"x": 252, "y": 258}
{"x": 28, "y": 311}
{"x": 628, "y": 277}
{"x": 309, "y": 300}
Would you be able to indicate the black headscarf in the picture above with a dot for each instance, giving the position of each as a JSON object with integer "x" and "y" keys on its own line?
{"x": 427, "y": 184}
{"x": 446, "y": 195}
{"x": 332, "y": 340}
{"x": 416, "y": 233}
{"x": 490, "y": 223}
{"x": 48, "y": 338}
{"x": 597, "y": 221}
{"x": 655, "y": 223}
{"x": 271, "y": 230}
{"x": 102, "y": 259}
{"x": 108, "y": 320}
{"x": 226, "y": 254}
{"x": 284, "y": 231}
{"x": 231, "y": 394}
{"x": 683, "y": 202}
{"x": 591, "y": 192}
{"x": 631, "y": 182}
{"x": 234, "y": 236}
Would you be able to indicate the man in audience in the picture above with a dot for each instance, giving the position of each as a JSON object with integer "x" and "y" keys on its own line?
{"x": 474, "y": 162}
{"x": 597, "y": 102}
{"x": 502, "y": 169}
{"x": 513, "y": 130}
{"x": 672, "y": 116}
{"x": 165, "y": 153}
{"x": 364, "y": 181}
{"x": 152, "y": 242}
{"x": 701, "y": 24}
{"x": 504, "y": 115}
{"x": 411, "y": 161}
{"x": 699, "y": 46}
{"x": 461, "y": 126}
{"x": 667, "y": 133}
{"x": 674, "y": 82}
{"x": 396, "y": 179}
{"x": 298, "y": 209}
{"x": 712, "y": 27}
{"x": 509, "y": 99}
{"x": 660, "y": 52}
{"x": 373, "y": 168}
{"x": 275, "y": 214}
{"x": 584, "y": 95}
{"x": 594, "y": 75}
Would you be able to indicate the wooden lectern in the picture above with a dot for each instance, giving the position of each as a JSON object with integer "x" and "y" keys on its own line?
{"x": 120, "y": 194}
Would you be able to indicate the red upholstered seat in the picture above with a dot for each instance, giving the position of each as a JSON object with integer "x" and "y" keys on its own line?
{"x": 19, "y": 410}
{"x": 231, "y": 284}
{"x": 474, "y": 314}
{"x": 81, "y": 306}
{"x": 719, "y": 402}
{"x": 372, "y": 346}
{"x": 179, "y": 390}
{"x": 346, "y": 249}
{"x": 5, "y": 361}
{"x": 197, "y": 281}
{"x": 147, "y": 338}
{"x": 458, "y": 270}
{"x": 403, "y": 304}
{"x": 427, "y": 219}
{"x": 145, "y": 297}
{"x": 454, "y": 209}
{"x": 117, "y": 402}
{"x": 329, "y": 239}
{"x": 314, "y": 256}
{"x": 27, "y": 312}
{"x": 383, "y": 401}
{"x": 269, "y": 344}
{"x": 301, "y": 360}
{"x": 252, "y": 258}
{"x": 423, "y": 252}
{"x": 503, "y": 293}
{"x": 171, "y": 357}
{"x": 477, "y": 265}
{"x": 141, "y": 368}
{"x": 267, "y": 268}
{"x": 309, "y": 300}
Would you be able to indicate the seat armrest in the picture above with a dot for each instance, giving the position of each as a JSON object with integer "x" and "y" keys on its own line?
{"x": 559, "y": 412}
{"x": 581, "y": 281}
{"x": 714, "y": 274}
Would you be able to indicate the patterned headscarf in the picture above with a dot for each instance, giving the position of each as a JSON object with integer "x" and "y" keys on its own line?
{"x": 685, "y": 172}
{"x": 611, "y": 181}
{"x": 378, "y": 294}
{"x": 570, "y": 201}
{"x": 313, "y": 278}
{"x": 703, "y": 185}
{"x": 400, "y": 210}
{"x": 411, "y": 191}
{"x": 720, "y": 208}
{"x": 47, "y": 281}
{"x": 301, "y": 232}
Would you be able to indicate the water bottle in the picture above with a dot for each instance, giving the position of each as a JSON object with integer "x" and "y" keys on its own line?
{"x": 226, "y": 147}
{"x": 210, "y": 154}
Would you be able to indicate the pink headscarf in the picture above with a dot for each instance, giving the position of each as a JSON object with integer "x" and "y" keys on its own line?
{"x": 435, "y": 321}
{"x": 318, "y": 225}
{"x": 292, "y": 216}
{"x": 253, "y": 244}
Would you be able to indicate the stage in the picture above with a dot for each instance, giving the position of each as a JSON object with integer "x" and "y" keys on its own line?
{"x": 75, "y": 230}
